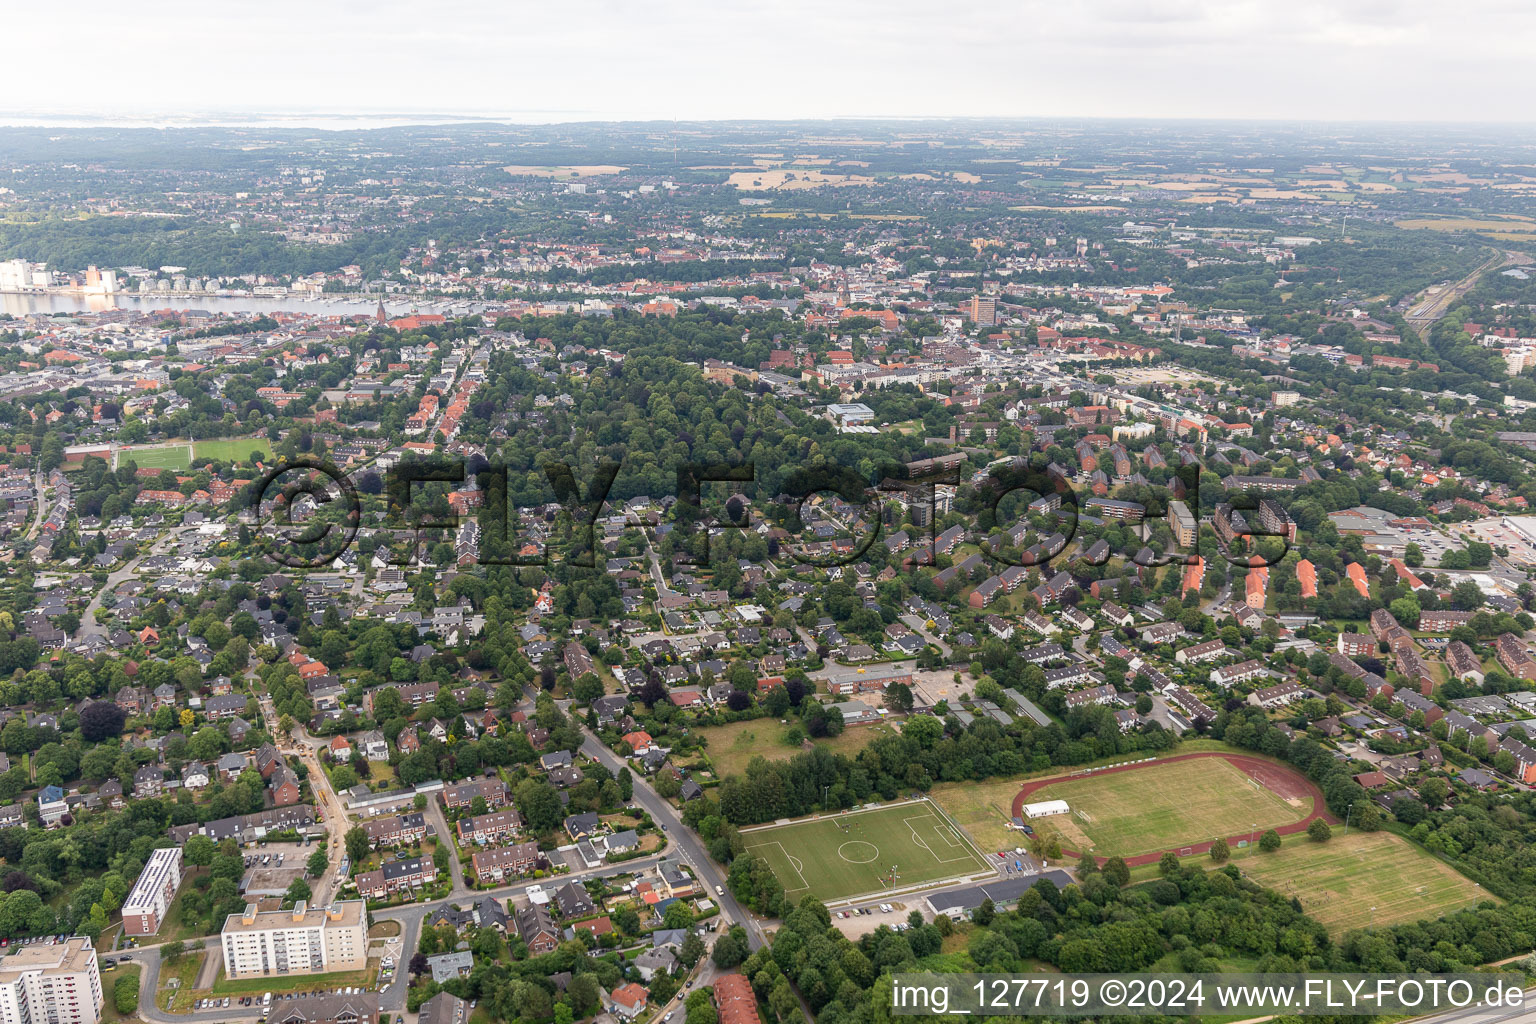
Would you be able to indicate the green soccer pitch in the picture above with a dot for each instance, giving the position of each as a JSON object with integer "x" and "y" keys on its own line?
{"x": 837, "y": 856}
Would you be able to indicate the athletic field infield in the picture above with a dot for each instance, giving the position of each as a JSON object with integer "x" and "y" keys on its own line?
{"x": 1142, "y": 809}
{"x": 835, "y": 857}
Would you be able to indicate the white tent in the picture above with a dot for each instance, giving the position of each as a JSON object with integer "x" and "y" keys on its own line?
{"x": 1040, "y": 810}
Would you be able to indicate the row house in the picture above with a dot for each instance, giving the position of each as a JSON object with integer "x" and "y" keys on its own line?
{"x": 395, "y": 829}
{"x": 461, "y": 795}
{"x": 503, "y": 862}
{"x": 1103, "y": 694}
{"x": 484, "y": 829}
{"x": 1276, "y": 696}
{"x": 1210, "y": 650}
{"x": 396, "y": 876}
{"x": 1241, "y": 672}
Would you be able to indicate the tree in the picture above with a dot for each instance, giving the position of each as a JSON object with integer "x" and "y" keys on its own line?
{"x": 357, "y": 844}
{"x": 1168, "y": 864}
{"x": 1367, "y": 817}
{"x": 125, "y": 993}
{"x": 1117, "y": 871}
{"x": 317, "y": 863}
{"x": 730, "y": 948}
{"x": 1269, "y": 842}
{"x": 418, "y": 963}
{"x": 626, "y": 920}
{"x": 298, "y": 891}
{"x": 677, "y": 915}
{"x": 691, "y": 951}
{"x": 101, "y": 720}
{"x": 1318, "y": 831}
{"x": 199, "y": 851}
{"x": 540, "y": 805}
{"x": 1434, "y": 791}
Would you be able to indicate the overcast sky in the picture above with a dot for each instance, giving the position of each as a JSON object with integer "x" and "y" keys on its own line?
{"x": 1409, "y": 60}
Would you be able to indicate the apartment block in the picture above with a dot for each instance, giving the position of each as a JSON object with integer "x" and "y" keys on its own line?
{"x": 57, "y": 984}
{"x": 304, "y": 940}
{"x": 147, "y": 904}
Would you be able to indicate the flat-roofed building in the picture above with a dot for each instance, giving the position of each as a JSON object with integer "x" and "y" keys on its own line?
{"x": 304, "y": 940}
{"x": 150, "y": 899}
{"x": 55, "y": 984}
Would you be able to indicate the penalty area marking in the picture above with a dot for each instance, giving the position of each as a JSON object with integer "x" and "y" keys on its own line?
{"x": 794, "y": 862}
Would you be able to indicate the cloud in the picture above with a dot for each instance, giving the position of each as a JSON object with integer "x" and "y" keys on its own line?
{"x": 1340, "y": 59}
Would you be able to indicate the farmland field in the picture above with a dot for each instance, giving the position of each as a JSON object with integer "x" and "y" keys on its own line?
{"x": 839, "y": 856}
{"x": 1338, "y": 882}
{"x": 1173, "y": 804}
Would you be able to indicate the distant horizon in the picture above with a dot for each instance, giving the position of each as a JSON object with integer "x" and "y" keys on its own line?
{"x": 348, "y": 119}
{"x": 1349, "y": 61}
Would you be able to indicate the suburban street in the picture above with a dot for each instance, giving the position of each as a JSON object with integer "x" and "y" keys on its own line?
{"x": 327, "y": 803}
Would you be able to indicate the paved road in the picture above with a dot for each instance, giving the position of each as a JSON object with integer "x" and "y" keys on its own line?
{"x": 434, "y": 813}
{"x": 686, "y": 843}
{"x": 327, "y": 802}
{"x": 88, "y": 624}
{"x": 41, "y": 513}
{"x": 920, "y": 627}
{"x": 1479, "y": 1015}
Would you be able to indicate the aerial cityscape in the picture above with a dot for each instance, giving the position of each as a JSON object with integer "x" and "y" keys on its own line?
{"x": 465, "y": 568}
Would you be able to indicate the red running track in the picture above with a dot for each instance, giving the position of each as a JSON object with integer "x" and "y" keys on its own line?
{"x": 1284, "y": 781}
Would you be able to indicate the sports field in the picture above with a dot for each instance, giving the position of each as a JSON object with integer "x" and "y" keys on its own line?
{"x": 1338, "y": 882}
{"x": 838, "y": 856}
{"x": 238, "y": 450}
{"x": 180, "y": 456}
{"x": 176, "y": 457}
{"x": 1164, "y": 805}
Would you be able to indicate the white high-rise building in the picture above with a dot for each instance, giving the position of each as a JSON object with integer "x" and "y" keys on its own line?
{"x": 151, "y": 897}
{"x": 304, "y": 940}
{"x": 15, "y": 275}
{"x": 58, "y": 984}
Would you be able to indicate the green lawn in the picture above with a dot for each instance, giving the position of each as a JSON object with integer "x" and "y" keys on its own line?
{"x": 223, "y": 986}
{"x": 1161, "y": 806}
{"x": 174, "y": 457}
{"x": 838, "y": 856}
{"x": 238, "y": 450}
{"x": 1338, "y": 882}
{"x": 173, "y": 927}
{"x": 732, "y": 745}
{"x": 109, "y": 980}
{"x": 983, "y": 809}
{"x": 180, "y": 456}
{"x": 184, "y": 969}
